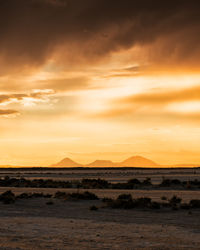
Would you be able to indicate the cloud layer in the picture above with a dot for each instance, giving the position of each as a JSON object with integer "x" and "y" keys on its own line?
{"x": 36, "y": 96}
{"x": 7, "y": 112}
{"x": 164, "y": 97}
{"x": 35, "y": 30}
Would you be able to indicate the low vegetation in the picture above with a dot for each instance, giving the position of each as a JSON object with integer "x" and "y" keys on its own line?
{"x": 126, "y": 201}
{"x": 8, "y": 197}
{"x": 99, "y": 184}
{"x": 123, "y": 201}
{"x": 94, "y": 208}
{"x": 76, "y": 196}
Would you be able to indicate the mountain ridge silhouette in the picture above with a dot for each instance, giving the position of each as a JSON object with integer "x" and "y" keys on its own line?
{"x": 134, "y": 161}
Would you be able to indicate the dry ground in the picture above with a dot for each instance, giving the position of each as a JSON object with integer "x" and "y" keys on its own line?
{"x": 31, "y": 224}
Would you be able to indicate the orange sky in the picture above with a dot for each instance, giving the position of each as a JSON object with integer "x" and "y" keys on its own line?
{"x": 75, "y": 83}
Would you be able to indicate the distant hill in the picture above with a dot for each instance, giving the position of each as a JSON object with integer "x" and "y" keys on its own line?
{"x": 138, "y": 161}
{"x": 67, "y": 162}
{"x": 135, "y": 161}
{"x": 102, "y": 163}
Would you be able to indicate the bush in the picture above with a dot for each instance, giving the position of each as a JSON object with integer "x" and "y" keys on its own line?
{"x": 143, "y": 202}
{"x": 7, "y": 197}
{"x": 147, "y": 181}
{"x": 125, "y": 204}
{"x": 76, "y": 196}
{"x": 125, "y": 201}
{"x": 124, "y": 197}
{"x": 105, "y": 199}
{"x": 60, "y": 195}
{"x": 155, "y": 205}
{"x": 93, "y": 208}
{"x": 195, "y": 203}
{"x": 94, "y": 183}
{"x": 49, "y": 203}
{"x": 82, "y": 196}
{"x": 174, "y": 207}
{"x": 163, "y": 198}
{"x": 33, "y": 195}
{"x": 175, "y": 200}
{"x": 165, "y": 183}
{"x": 40, "y": 195}
{"x": 185, "y": 206}
{"x": 134, "y": 182}
{"x": 175, "y": 182}
{"x": 24, "y": 196}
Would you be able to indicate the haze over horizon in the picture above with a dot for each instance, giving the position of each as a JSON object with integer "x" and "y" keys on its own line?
{"x": 98, "y": 79}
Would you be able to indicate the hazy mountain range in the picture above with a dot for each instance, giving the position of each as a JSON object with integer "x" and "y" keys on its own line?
{"x": 134, "y": 161}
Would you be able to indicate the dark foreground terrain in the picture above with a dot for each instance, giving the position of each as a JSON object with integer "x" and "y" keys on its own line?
{"x": 56, "y": 223}
{"x": 67, "y": 222}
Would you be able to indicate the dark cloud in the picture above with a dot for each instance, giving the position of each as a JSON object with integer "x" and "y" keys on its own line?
{"x": 32, "y": 30}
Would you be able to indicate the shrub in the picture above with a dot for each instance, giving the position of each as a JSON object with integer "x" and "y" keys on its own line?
{"x": 60, "y": 195}
{"x": 143, "y": 202}
{"x": 165, "y": 204}
{"x": 124, "y": 197}
{"x": 165, "y": 183}
{"x": 49, "y": 203}
{"x": 94, "y": 183}
{"x": 76, "y": 196}
{"x": 174, "y": 207}
{"x": 7, "y": 197}
{"x": 93, "y": 208}
{"x": 125, "y": 201}
{"x": 23, "y": 196}
{"x": 33, "y": 195}
{"x": 125, "y": 204}
{"x": 188, "y": 185}
{"x": 82, "y": 196}
{"x": 40, "y": 195}
{"x": 185, "y": 206}
{"x": 175, "y": 182}
{"x": 134, "y": 182}
{"x": 195, "y": 203}
{"x": 105, "y": 199}
{"x": 147, "y": 181}
{"x": 163, "y": 198}
{"x": 155, "y": 205}
{"x": 175, "y": 200}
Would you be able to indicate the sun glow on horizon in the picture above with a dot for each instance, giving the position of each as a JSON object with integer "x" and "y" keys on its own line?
{"x": 124, "y": 83}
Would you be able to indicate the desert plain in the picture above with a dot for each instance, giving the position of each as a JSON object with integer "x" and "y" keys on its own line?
{"x": 50, "y": 223}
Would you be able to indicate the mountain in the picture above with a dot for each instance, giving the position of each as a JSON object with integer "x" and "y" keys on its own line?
{"x": 138, "y": 161}
{"x": 102, "y": 163}
{"x": 135, "y": 161}
{"x": 67, "y": 162}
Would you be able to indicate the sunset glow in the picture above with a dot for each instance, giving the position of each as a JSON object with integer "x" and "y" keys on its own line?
{"x": 99, "y": 89}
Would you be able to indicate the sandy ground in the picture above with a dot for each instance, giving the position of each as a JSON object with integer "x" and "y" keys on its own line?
{"x": 31, "y": 224}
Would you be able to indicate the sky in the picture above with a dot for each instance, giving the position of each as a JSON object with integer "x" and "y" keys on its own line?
{"x": 99, "y": 79}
